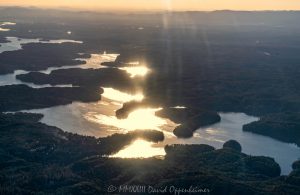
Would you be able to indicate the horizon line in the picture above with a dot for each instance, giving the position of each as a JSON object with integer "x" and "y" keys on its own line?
{"x": 99, "y": 10}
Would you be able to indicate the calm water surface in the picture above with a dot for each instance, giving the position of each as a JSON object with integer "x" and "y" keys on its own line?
{"x": 15, "y": 43}
{"x": 98, "y": 118}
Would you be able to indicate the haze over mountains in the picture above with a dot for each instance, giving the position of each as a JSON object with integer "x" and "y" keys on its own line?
{"x": 201, "y": 66}
{"x": 171, "y": 5}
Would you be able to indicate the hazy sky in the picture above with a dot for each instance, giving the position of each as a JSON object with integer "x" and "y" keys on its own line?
{"x": 162, "y": 4}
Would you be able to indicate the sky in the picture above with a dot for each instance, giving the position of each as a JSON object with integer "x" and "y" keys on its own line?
{"x": 178, "y": 5}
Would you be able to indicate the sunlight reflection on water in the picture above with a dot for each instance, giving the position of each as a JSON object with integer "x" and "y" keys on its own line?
{"x": 119, "y": 96}
{"x": 6, "y": 24}
{"x": 98, "y": 119}
{"x": 140, "y": 119}
{"x": 15, "y": 43}
{"x": 137, "y": 120}
{"x": 96, "y": 59}
{"x": 140, "y": 149}
{"x": 135, "y": 71}
{"x": 4, "y": 29}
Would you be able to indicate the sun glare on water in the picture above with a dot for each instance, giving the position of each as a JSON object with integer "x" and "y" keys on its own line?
{"x": 95, "y": 60}
{"x": 6, "y": 24}
{"x": 109, "y": 57}
{"x": 119, "y": 96}
{"x": 140, "y": 119}
{"x": 179, "y": 107}
{"x": 135, "y": 71}
{"x": 140, "y": 149}
{"x": 4, "y": 29}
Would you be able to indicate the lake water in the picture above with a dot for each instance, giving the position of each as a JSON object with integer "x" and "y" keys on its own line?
{"x": 15, "y": 43}
{"x": 3, "y": 26}
{"x": 98, "y": 118}
{"x": 10, "y": 79}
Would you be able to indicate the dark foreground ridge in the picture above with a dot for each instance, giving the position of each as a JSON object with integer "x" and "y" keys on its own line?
{"x": 53, "y": 161}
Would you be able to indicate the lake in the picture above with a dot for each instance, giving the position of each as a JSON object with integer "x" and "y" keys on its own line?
{"x": 98, "y": 118}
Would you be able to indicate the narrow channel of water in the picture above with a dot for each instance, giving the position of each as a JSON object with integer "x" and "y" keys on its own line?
{"x": 98, "y": 118}
{"x": 4, "y": 26}
{"x": 15, "y": 43}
